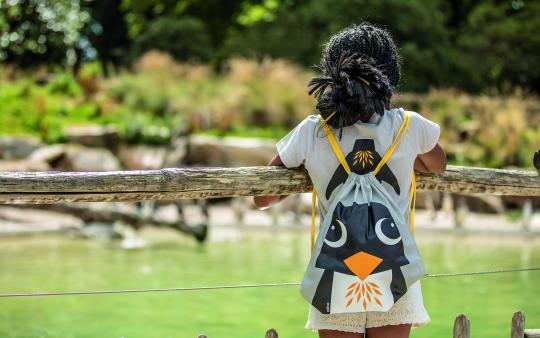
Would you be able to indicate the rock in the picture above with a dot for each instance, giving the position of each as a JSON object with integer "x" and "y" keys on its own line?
{"x": 14, "y": 221}
{"x": 93, "y": 136}
{"x": 48, "y": 154}
{"x": 41, "y": 159}
{"x": 517, "y": 202}
{"x": 99, "y": 231}
{"x": 17, "y": 147}
{"x": 228, "y": 151}
{"x": 480, "y": 203}
{"x": 24, "y": 165}
{"x": 80, "y": 158}
{"x": 142, "y": 157}
{"x": 176, "y": 153}
{"x": 154, "y": 157}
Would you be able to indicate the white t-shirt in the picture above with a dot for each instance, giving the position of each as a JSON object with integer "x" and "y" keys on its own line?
{"x": 307, "y": 144}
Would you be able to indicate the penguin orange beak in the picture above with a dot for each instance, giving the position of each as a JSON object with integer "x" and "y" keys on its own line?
{"x": 362, "y": 264}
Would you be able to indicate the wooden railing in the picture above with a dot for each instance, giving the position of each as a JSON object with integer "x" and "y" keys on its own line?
{"x": 177, "y": 183}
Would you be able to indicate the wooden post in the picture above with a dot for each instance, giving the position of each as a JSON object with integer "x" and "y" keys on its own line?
{"x": 536, "y": 161}
{"x": 271, "y": 333}
{"x": 462, "y": 327}
{"x": 461, "y": 212}
{"x": 526, "y": 215}
{"x": 518, "y": 325}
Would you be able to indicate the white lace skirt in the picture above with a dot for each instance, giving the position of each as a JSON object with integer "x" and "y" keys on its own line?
{"x": 409, "y": 309}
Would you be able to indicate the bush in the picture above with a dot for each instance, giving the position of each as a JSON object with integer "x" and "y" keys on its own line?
{"x": 254, "y": 98}
{"x": 185, "y": 39}
{"x": 65, "y": 84}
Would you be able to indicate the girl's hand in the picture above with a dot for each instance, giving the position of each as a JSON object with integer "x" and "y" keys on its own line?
{"x": 263, "y": 202}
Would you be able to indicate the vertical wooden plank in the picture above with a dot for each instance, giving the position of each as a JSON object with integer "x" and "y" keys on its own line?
{"x": 271, "y": 333}
{"x": 536, "y": 160}
{"x": 461, "y": 212}
{"x": 462, "y": 327}
{"x": 526, "y": 215}
{"x": 518, "y": 325}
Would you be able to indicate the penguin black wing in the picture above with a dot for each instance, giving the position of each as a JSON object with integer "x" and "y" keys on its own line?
{"x": 385, "y": 174}
{"x": 339, "y": 177}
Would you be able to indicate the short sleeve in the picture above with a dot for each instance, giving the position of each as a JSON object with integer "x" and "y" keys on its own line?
{"x": 294, "y": 147}
{"x": 426, "y": 132}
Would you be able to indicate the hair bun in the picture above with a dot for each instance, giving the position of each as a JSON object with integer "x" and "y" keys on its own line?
{"x": 355, "y": 82}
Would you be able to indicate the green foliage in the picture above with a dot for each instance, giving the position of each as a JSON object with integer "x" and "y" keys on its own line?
{"x": 250, "y": 98}
{"x": 184, "y": 39}
{"x": 484, "y": 46}
{"x": 498, "y": 44}
{"x": 64, "y": 83}
{"x": 40, "y": 31}
{"x": 274, "y": 133}
{"x": 492, "y": 131}
{"x": 420, "y": 33}
{"x": 477, "y": 46}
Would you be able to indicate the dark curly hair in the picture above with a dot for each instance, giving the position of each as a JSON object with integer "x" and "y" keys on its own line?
{"x": 360, "y": 66}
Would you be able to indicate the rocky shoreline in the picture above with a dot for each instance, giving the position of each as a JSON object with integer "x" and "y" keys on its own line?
{"x": 99, "y": 148}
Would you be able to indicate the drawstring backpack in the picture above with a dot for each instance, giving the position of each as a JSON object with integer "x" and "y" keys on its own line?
{"x": 365, "y": 257}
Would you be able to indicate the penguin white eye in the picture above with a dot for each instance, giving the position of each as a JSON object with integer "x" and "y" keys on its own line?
{"x": 382, "y": 237}
{"x": 341, "y": 240}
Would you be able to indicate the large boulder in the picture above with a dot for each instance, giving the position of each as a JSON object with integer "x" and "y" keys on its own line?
{"x": 206, "y": 150}
{"x": 50, "y": 154}
{"x": 144, "y": 157}
{"x": 488, "y": 204}
{"x": 80, "y": 158}
{"x": 41, "y": 159}
{"x": 93, "y": 136}
{"x": 141, "y": 157}
{"x": 176, "y": 153}
{"x": 17, "y": 147}
{"x": 23, "y": 165}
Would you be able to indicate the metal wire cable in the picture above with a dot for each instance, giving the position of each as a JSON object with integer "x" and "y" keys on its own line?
{"x": 240, "y": 286}
{"x": 475, "y": 273}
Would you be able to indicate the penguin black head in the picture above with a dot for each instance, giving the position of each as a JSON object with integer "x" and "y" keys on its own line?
{"x": 362, "y": 159}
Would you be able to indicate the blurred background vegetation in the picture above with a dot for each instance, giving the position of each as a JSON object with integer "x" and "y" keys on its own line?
{"x": 158, "y": 69}
{"x": 154, "y": 68}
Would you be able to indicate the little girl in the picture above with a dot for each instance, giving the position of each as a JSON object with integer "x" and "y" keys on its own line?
{"x": 360, "y": 73}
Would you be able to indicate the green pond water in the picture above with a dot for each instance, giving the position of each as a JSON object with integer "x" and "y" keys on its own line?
{"x": 56, "y": 263}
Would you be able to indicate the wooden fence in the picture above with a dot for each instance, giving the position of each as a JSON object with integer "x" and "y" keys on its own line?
{"x": 177, "y": 183}
{"x": 462, "y": 327}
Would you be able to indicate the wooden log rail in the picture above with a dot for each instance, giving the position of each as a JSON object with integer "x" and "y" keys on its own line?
{"x": 177, "y": 183}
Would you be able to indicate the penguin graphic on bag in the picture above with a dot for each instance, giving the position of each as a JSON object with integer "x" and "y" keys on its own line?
{"x": 365, "y": 256}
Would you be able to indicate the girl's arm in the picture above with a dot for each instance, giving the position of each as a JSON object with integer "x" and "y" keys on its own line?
{"x": 434, "y": 161}
{"x": 263, "y": 202}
